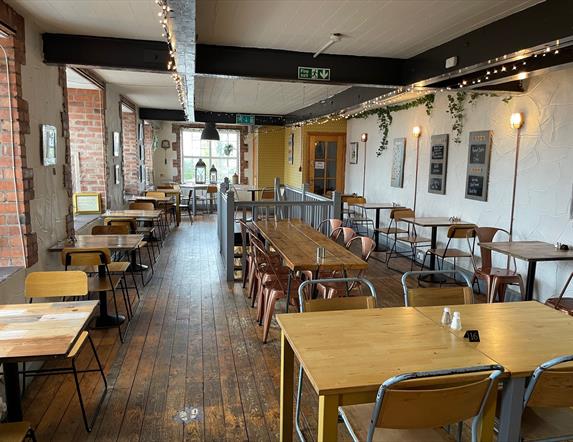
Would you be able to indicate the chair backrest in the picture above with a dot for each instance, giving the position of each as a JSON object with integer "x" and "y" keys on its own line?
{"x": 550, "y": 388}
{"x": 367, "y": 246}
{"x": 212, "y": 189}
{"x": 434, "y": 405}
{"x": 155, "y": 194}
{"x": 398, "y": 214}
{"x": 487, "y": 234}
{"x": 142, "y": 206}
{"x": 353, "y": 200}
{"x": 268, "y": 193}
{"x": 338, "y": 303}
{"x": 120, "y": 229}
{"x": 462, "y": 231}
{"x": 433, "y": 296}
{"x": 166, "y": 186}
{"x": 131, "y": 223}
{"x": 332, "y": 223}
{"x": 347, "y": 234}
{"x": 55, "y": 284}
{"x": 85, "y": 257}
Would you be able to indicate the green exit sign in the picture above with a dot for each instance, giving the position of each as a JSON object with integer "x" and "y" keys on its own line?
{"x": 245, "y": 119}
{"x": 306, "y": 73}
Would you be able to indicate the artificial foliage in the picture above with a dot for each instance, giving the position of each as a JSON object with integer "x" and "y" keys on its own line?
{"x": 384, "y": 115}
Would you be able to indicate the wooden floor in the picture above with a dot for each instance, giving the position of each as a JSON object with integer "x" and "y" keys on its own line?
{"x": 194, "y": 350}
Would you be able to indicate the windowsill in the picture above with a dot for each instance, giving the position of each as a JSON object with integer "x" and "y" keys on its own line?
{"x": 7, "y": 272}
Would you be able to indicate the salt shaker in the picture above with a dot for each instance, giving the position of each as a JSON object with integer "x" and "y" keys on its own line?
{"x": 456, "y": 322}
{"x": 446, "y": 317}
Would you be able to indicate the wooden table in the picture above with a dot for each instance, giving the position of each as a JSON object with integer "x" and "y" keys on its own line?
{"x": 518, "y": 335}
{"x": 297, "y": 242}
{"x": 378, "y": 207}
{"x": 131, "y": 213}
{"x": 434, "y": 223}
{"x": 40, "y": 331}
{"x": 194, "y": 187}
{"x": 113, "y": 243}
{"x": 532, "y": 252}
{"x": 347, "y": 355}
{"x": 158, "y": 199}
{"x": 251, "y": 189}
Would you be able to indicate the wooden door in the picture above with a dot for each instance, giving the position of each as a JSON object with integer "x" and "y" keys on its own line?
{"x": 327, "y": 153}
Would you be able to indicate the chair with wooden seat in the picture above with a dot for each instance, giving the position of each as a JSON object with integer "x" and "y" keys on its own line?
{"x": 357, "y": 217}
{"x": 432, "y": 296}
{"x": 103, "y": 281}
{"x": 449, "y": 252}
{"x": 161, "y": 224}
{"x": 392, "y": 229}
{"x": 410, "y": 237}
{"x": 562, "y": 302}
{"x": 547, "y": 413}
{"x": 496, "y": 278}
{"x": 17, "y": 432}
{"x": 207, "y": 200}
{"x": 323, "y": 305}
{"x": 403, "y": 412}
{"x": 70, "y": 284}
{"x": 168, "y": 208}
{"x": 186, "y": 204}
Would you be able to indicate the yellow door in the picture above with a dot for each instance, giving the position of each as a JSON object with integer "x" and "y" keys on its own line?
{"x": 326, "y": 162}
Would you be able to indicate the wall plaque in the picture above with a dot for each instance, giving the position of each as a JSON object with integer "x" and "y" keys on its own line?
{"x": 87, "y": 203}
{"x": 398, "y": 158}
{"x": 479, "y": 154}
{"x": 438, "y": 164}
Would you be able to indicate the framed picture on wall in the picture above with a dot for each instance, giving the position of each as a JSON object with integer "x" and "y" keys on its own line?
{"x": 117, "y": 174}
{"x": 353, "y": 153}
{"x": 291, "y": 148}
{"x": 398, "y": 159}
{"x": 49, "y": 144}
{"x": 116, "y": 144}
{"x": 479, "y": 153}
{"x": 438, "y": 164}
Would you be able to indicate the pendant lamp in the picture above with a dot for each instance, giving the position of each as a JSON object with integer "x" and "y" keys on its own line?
{"x": 210, "y": 132}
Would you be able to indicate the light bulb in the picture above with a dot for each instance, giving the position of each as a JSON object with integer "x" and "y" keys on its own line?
{"x": 516, "y": 120}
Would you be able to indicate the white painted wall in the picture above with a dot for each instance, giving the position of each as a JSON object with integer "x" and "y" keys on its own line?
{"x": 163, "y": 172}
{"x": 545, "y": 175}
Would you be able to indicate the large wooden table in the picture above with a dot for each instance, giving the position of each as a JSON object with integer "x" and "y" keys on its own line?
{"x": 378, "y": 207}
{"x": 37, "y": 331}
{"x": 131, "y": 213}
{"x": 347, "y": 355}
{"x": 297, "y": 242}
{"x": 532, "y": 252}
{"x": 519, "y": 336}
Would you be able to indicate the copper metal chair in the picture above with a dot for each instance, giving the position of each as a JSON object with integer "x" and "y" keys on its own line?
{"x": 328, "y": 226}
{"x": 561, "y": 302}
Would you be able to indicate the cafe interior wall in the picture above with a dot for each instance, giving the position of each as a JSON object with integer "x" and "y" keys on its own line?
{"x": 544, "y": 180}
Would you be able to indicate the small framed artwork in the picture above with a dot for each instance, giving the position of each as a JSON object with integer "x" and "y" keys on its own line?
{"x": 49, "y": 144}
{"x": 438, "y": 164}
{"x": 117, "y": 174}
{"x": 398, "y": 159}
{"x": 291, "y": 148}
{"x": 87, "y": 202}
{"x": 353, "y": 153}
{"x": 479, "y": 154}
{"x": 116, "y": 144}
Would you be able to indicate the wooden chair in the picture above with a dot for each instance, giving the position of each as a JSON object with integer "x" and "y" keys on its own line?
{"x": 169, "y": 209}
{"x": 268, "y": 193}
{"x": 103, "y": 281}
{"x": 547, "y": 413}
{"x": 161, "y": 224}
{"x": 186, "y": 204}
{"x": 323, "y": 305}
{"x": 410, "y": 237}
{"x": 357, "y": 216}
{"x": 402, "y": 412}
{"x": 430, "y": 296}
{"x": 17, "y": 432}
{"x": 55, "y": 285}
{"x": 496, "y": 278}
{"x": 561, "y": 302}
{"x": 392, "y": 229}
{"x": 449, "y": 252}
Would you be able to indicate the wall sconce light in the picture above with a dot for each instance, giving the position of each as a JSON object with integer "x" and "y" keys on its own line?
{"x": 364, "y": 137}
{"x": 516, "y": 120}
{"x": 416, "y": 131}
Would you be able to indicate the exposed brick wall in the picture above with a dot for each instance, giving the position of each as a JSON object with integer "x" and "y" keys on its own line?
{"x": 15, "y": 203}
{"x": 148, "y": 143}
{"x": 87, "y": 141}
{"x": 130, "y": 157}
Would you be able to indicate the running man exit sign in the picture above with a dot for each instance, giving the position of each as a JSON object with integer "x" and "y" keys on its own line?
{"x": 306, "y": 73}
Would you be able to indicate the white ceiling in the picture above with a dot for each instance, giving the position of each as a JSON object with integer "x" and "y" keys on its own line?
{"x": 381, "y": 28}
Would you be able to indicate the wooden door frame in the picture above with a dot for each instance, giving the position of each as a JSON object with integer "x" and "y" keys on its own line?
{"x": 306, "y": 158}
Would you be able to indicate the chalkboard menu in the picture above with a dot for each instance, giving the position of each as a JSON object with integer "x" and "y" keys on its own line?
{"x": 479, "y": 154}
{"x": 438, "y": 164}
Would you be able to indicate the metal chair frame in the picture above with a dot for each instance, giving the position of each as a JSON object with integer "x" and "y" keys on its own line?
{"x": 420, "y": 273}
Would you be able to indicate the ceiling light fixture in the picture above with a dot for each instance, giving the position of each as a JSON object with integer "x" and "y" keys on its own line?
{"x": 210, "y": 132}
{"x": 334, "y": 38}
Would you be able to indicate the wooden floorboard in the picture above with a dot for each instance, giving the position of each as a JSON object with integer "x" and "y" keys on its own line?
{"x": 193, "y": 353}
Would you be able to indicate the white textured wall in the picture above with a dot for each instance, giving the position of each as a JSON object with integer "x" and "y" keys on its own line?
{"x": 164, "y": 172}
{"x": 544, "y": 175}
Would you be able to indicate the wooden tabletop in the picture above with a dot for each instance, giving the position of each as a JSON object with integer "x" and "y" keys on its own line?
{"x": 112, "y": 242}
{"x": 517, "y": 335}
{"x": 297, "y": 243}
{"x": 41, "y": 330}
{"x": 529, "y": 250}
{"x": 379, "y": 206}
{"x": 428, "y": 221}
{"x": 129, "y": 213}
{"x": 159, "y": 199}
{"x": 357, "y": 350}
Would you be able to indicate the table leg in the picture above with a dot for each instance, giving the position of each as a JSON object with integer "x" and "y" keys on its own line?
{"x": 327, "y": 418}
{"x": 252, "y": 195}
{"x": 287, "y": 390}
{"x": 193, "y": 205}
{"x": 105, "y": 320}
{"x": 530, "y": 280}
{"x": 12, "y": 389}
{"x": 377, "y": 226}
{"x": 288, "y": 290}
{"x": 434, "y": 244}
{"x": 134, "y": 266}
{"x": 511, "y": 409}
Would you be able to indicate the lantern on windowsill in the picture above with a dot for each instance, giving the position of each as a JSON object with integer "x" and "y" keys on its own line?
{"x": 213, "y": 174}
{"x": 200, "y": 172}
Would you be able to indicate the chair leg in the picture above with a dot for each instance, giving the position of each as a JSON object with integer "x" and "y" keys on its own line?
{"x": 23, "y": 378}
{"x": 82, "y": 406}
{"x": 31, "y": 434}
{"x": 125, "y": 295}
{"x": 134, "y": 283}
{"x": 117, "y": 316}
{"x": 521, "y": 288}
{"x": 298, "y": 403}
{"x": 268, "y": 314}
{"x": 494, "y": 289}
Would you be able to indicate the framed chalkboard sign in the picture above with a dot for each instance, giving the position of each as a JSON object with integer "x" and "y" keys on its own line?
{"x": 438, "y": 164}
{"x": 479, "y": 154}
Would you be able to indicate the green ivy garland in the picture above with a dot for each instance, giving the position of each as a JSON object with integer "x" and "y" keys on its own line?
{"x": 384, "y": 115}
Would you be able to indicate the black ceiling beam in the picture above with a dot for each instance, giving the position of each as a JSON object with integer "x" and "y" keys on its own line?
{"x": 148, "y": 113}
{"x": 274, "y": 64}
{"x": 537, "y": 25}
{"x": 230, "y": 118}
{"x": 105, "y": 52}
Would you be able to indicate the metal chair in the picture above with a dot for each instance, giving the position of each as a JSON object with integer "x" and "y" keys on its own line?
{"x": 64, "y": 284}
{"x": 328, "y": 226}
{"x": 429, "y": 296}
{"x": 406, "y": 413}
{"x": 547, "y": 414}
{"x": 561, "y": 302}
{"x": 357, "y": 216}
{"x": 454, "y": 232}
{"x": 322, "y": 305}
{"x": 410, "y": 237}
{"x": 392, "y": 229}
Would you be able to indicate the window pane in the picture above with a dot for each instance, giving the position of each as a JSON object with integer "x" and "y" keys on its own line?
{"x": 188, "y": 169}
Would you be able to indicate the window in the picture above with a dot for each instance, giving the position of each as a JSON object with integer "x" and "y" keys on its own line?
{"x": 224, "y": 154}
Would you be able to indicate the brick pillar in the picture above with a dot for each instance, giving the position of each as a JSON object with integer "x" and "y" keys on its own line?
{"x": 148, "y": 143}
{"x": 130, "y": 157}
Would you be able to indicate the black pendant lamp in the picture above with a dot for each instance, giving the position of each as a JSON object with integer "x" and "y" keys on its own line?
{"x": 210, "y": 132}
